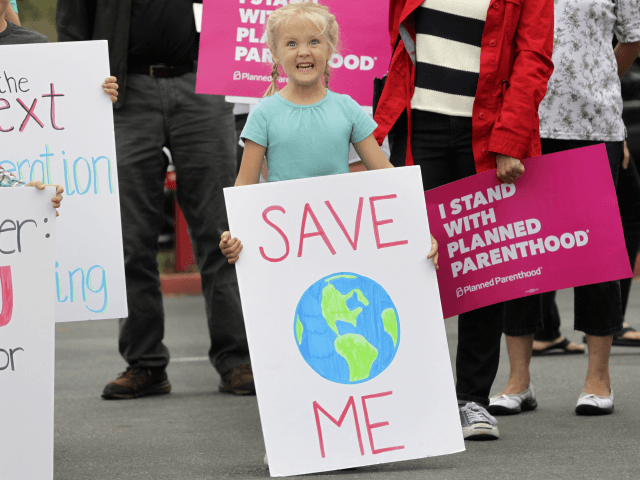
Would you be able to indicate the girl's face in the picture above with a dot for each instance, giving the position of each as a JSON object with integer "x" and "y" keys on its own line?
{"x": 303, "y": 51}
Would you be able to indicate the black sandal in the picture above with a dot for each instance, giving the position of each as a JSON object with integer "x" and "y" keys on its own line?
{"x": 560, "y": 346}
{"x": 619, "y": 341}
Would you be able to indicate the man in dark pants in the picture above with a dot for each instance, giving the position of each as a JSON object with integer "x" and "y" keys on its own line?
{"x": 153, "y": 47}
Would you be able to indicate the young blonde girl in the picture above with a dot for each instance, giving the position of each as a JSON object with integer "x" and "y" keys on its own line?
{"x": 304, "y": 129}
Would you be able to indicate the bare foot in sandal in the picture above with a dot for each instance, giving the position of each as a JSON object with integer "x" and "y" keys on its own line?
{"x": 630, "y": 334}
{"x": 628, "y": 337}
{"x": 560, "y": 346}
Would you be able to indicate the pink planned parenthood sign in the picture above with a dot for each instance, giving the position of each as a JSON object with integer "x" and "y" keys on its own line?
{"x": 235, "y": 61}
{"x": 557, "y": 227}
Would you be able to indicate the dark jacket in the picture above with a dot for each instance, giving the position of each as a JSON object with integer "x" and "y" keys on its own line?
{"x": 99, "y": 20}
{"x": 517, "y": 43}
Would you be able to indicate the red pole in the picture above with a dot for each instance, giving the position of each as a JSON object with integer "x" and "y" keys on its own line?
{"x": 184, "y": 249}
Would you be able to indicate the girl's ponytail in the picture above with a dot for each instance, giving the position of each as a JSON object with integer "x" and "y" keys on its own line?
{"x": 327, "y": 72}
{"x": 275, "y": 74}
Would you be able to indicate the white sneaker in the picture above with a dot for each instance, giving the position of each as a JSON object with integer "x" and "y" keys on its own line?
{"x": 513, "y": 403}
{"x": 477, "y": 424}
{"x": 590, "y": 404}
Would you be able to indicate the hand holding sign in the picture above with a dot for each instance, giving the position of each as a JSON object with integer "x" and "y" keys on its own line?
{"x": 508, "y": 169}
{"x": 110, "y": 87}
{"x": 434, "y": 252}
{"x": 231, "y": 247}
{"x": 55, "y": 200}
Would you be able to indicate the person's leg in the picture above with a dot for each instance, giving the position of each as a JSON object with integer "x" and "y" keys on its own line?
{"x": 478, "y": 353}
{"x": 550, "y": 317}
{"x": 549, "y": 339}
{"x": 479, "y": 331}
{"x": 141, "y": 172}
{"x": 628, "y": 193}
{"x": 441, "y": 146}
{"x": 522, "y": 319}
{"x": 598, "y": 310}
{"x": 202, "y": 138}
{"x": 598, "y": 381}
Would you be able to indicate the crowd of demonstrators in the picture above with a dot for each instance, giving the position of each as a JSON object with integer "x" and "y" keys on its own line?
{"x": 473, "y": 86}
{"x": 153, "y": 48}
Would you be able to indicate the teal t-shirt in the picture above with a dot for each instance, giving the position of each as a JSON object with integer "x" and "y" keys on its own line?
{"x": 307, "y": 140}
{"x": 14, "y": 5}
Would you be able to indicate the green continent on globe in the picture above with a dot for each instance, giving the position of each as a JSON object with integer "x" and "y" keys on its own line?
{"x": 358, "y": 353}
{"x": 334, "y": 305}
{"x": 390, "y": 323}
{"x": 299, "y": 330}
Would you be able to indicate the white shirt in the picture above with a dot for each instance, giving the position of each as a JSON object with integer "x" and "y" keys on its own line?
{"x": 583, "y": 100}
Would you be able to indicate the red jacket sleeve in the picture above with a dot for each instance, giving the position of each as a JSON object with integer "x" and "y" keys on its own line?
{"x": 532, "y": 67}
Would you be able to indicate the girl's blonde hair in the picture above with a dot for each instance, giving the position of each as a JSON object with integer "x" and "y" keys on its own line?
{"x": 318, "y": 15}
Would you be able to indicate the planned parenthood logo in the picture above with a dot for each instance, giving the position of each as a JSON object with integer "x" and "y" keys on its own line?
{"x": 460, "y": 291}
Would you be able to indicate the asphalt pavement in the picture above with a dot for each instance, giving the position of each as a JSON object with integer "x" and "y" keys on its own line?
{"x": 196, "y": 433}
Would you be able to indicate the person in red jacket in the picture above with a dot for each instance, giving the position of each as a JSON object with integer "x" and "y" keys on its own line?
{"x": 464, "y": 85}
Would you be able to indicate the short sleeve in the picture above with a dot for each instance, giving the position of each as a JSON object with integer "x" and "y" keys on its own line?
{"x": 363, "y": 124}
{"x": 14, "y": 5}
{"x": 627, "y": 26}
{"x": 256, "y": 127}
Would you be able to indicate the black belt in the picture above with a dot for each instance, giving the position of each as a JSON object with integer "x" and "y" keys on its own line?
{"x": 161, "y": 70}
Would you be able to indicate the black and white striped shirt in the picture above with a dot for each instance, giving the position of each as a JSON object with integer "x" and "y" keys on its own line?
{"x": 448, "y": 38}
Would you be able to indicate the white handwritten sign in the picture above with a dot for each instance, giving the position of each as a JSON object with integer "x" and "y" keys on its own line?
{"x": 344, "y": 321}
{"x": 27, "y": 300}
{"x": 56, "y": 126}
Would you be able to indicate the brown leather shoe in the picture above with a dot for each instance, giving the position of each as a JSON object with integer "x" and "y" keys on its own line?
{"x": 138, "y": 382}
{"x": 238, "y": 380}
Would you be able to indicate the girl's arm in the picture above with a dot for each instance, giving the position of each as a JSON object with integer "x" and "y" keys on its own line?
{"x": 371, "y": 154}
{"x": 249, "y": 175}
{"x": 251, "y": 163}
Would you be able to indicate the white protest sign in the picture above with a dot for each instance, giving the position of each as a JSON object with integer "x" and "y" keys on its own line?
{"x": 344, "y": 322}
{"x": 56, "y": 126}
{"x": 27, "y": 300}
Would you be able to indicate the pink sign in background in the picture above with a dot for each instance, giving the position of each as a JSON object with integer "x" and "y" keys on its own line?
{"x": 235, "y": 61}
{"x": 557, "y": 227}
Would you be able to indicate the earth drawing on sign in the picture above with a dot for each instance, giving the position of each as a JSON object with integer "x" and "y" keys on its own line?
{"x": 347, "y": 328}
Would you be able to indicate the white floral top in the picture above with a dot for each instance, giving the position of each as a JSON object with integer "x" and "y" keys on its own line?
{"x": 583, "y": 100}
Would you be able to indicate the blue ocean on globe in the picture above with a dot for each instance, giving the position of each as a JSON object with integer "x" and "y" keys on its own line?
{"x": 347, "y": 328}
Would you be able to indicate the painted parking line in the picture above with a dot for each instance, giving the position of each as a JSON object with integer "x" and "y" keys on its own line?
{"x": 190, "y": 359}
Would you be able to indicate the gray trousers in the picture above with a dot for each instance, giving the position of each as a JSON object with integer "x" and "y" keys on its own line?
{"x": 199, "y": 131}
